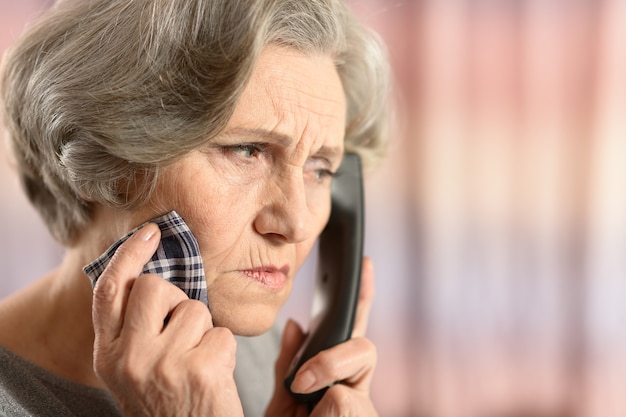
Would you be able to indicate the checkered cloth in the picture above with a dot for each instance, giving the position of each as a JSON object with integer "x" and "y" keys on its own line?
{"x": 177, "y": 258}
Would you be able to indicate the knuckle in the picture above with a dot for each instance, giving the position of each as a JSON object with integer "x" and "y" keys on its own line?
{"x": 163, "y": 371}
{"x": 205, "y": 376}
{"x": 339, "y": 398}
{"x": 125, "y": 251}
{"x": 225, "y": 336}
{"x": 105, "y": 291}
{"x": 194, "y": 308}
{"x": 102, "y": 364}
{"x": 111, "y": 366}
{"x": 122, "y": 256}
{"x": 225, "y": 339}
{"x": 129, "y": 367}
{"x": 365, "y": 348}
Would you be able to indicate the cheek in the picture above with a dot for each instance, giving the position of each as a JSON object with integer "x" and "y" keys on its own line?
{"x": 320, "y": 213}
{"x": 218, "y": 217}
{"x": 216, "y": 210}
{"x": 303, "y": 250}
{"x": 319, "y": 202}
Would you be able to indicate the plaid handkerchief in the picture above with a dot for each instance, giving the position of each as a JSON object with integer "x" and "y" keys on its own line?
{"x": 177, "y": 258}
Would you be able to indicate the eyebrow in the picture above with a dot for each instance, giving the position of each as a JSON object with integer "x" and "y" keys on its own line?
{"x": 332, "y": 153}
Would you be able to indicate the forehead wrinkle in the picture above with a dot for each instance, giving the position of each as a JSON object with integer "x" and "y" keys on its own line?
{"x": 297, "y": 95}
{"x": 307, "y": 111}
{"x": 308, "y": 129}
{"x": 323, "y": 114}
{"x": 283, "y": 88}
{"x": 312, "y": 136}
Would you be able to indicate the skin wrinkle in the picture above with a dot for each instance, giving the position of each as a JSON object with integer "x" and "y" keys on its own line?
{"x": 309, "y": 136}
{"x": 229, "y": 251}
{"x": 282, "y": 203}
{"x": 331, "y": 154}
{"x": 287, "y": 203}
{"x": 249, "y": 210}
{"x": 292, "y": 96}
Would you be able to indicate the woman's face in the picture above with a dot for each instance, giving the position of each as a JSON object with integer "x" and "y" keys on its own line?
{"x": 258, "y": 196}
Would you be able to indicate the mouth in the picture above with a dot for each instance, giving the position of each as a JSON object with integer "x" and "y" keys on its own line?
{"x": 268, "y": 276}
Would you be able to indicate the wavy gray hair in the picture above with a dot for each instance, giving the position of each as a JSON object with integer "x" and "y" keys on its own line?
{"x": 99, "y": 95}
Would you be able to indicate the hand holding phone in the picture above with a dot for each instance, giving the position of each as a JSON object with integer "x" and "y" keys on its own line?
{"x": 338, "y": 274}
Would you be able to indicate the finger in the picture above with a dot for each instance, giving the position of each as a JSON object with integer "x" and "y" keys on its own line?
{"x": 293, "y": 336}
{"x": 113, "y": 287}
{"x": 292, "y": 339}
{"x": 340, "y": 400}
{"x": 188, "y": 323}
{"x": 351, "y": 363}
{"x": 150, "y": 302}
{"x": 366, "y": 298}
{"x": 213, "y": 361}
{"x": 218, "y": 346}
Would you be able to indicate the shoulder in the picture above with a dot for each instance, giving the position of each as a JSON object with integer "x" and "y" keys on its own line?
{"x": 27, "y": 390}
{"x": 20, "y": 319}
{"x": 20, "y": 391}
{"x": 11, "y": 330}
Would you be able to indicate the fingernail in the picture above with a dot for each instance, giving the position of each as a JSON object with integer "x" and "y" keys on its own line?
{"x": 304, "y": 382}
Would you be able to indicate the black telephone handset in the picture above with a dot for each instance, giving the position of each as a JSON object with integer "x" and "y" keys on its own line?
{"x": 338, "y": 274}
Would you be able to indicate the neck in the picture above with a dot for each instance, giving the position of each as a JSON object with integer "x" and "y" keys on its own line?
{"x": 49, "y": 323}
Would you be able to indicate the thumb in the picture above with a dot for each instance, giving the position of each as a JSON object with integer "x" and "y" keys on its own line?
{"x": 112, "y": 289}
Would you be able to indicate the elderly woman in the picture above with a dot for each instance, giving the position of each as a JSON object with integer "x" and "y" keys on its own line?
{"x": 233, "y": 114}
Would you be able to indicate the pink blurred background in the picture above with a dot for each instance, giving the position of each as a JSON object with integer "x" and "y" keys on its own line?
{"x": 498, "y": 223}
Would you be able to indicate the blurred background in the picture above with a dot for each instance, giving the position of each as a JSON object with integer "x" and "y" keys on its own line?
{"x": 498, "y": 223}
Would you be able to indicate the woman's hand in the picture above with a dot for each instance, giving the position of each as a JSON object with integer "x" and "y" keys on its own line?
{"x": 183, "y": 368}
{"x": 351, "y": 363}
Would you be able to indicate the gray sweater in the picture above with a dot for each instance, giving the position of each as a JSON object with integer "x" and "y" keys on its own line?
{"x": 28, "y": 390}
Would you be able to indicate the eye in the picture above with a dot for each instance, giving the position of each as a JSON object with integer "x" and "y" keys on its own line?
{"x": 247, "y": 150}
{"x": 319, "y": 170}
{"x": 322, "y": 174}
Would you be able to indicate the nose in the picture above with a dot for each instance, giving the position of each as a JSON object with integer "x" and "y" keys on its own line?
{"x": 285, "y": 213}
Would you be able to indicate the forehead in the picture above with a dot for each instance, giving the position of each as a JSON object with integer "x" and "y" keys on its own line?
{"x": 293, "y": 94}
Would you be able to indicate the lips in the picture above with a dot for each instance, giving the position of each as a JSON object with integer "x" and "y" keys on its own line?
{"x": 269, "y": 276}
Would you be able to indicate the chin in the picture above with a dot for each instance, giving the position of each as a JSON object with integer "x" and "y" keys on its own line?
{"x": 245, "y": 322}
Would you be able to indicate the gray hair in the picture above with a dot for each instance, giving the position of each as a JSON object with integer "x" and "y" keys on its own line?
{"x": 101, "y": 94}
